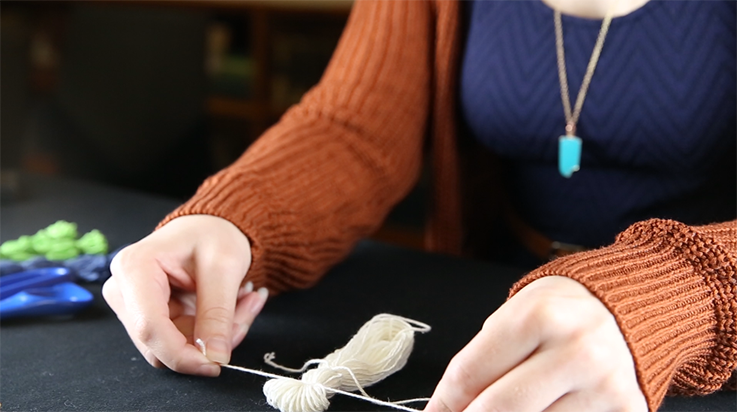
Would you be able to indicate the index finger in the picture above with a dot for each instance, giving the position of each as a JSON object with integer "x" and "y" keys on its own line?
{"x": 145, "y": 291}
{"x": 503, "y": 343}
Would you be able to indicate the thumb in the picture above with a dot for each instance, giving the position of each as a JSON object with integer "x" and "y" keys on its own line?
{"x": 217, "y": 293}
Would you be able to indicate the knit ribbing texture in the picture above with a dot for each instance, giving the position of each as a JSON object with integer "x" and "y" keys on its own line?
{"x": 673, "y": 291}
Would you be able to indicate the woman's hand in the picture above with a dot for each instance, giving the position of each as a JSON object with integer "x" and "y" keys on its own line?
{"x": 553, "y": 347}
{"x": 182, "y": 284}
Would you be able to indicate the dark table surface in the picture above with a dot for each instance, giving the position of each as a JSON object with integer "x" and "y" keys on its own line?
{"x": 87, "y": 363}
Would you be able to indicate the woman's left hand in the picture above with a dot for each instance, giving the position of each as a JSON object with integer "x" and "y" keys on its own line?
{"x": 553, "y": 347}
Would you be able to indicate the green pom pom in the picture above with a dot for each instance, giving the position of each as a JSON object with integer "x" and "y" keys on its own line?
{"x": 41, "y": 242}
{"x": 62, "y": 230}
{"x": 93, "y": 243}
{"x": 56, "y": 242}
{"x": 20, "y": 246}
{"x": 62, "y": 249}
{"x": 20, "y": 256}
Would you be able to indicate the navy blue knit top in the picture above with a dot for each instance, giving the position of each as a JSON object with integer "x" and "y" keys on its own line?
{"x": 658, "y": 124}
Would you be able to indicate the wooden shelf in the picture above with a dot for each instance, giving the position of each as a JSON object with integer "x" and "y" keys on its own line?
{"x": 229, "y": 107}
{"x": 234, "y": 108}
{"x": 320, "y": 6}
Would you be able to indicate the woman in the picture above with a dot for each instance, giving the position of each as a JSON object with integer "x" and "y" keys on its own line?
{"x": 654, "y": 311}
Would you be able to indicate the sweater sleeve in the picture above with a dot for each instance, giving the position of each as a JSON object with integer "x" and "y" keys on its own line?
{"x": 673, "y": 291}
{"x": 333, "y": 166}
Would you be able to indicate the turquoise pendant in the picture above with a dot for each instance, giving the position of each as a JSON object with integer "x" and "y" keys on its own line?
{"x": 569, "y": 155}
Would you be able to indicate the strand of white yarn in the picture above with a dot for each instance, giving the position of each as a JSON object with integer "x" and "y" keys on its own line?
{"x": 380, "y": 348}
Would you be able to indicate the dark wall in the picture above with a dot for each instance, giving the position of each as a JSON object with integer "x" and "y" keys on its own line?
{"x": 14, "y": 93}
{"x": 127, "y": 104}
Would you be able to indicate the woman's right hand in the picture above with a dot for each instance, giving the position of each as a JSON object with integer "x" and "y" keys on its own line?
{"x": 182, "y": 285}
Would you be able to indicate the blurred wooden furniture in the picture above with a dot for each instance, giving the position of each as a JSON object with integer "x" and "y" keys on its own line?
{"x": 321, "y": 6}
{"x": 261, "y": 18}
{"x": 234, "y": 121}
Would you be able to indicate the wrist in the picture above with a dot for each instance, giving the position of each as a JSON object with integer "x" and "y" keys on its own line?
{"x": 663, "y": 283}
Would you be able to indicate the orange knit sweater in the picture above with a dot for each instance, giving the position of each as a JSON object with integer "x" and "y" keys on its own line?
{"x": 329, "y": 171}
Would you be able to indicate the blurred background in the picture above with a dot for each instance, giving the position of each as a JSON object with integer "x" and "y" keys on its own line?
{"x": 157, "y": 95}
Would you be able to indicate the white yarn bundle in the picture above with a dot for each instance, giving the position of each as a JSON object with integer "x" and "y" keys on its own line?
{"x": 380, "y": 348}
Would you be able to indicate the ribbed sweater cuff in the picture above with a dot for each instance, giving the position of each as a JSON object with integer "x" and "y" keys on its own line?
{"x": 257, "y": 216}
{"x": 673, "y": 291}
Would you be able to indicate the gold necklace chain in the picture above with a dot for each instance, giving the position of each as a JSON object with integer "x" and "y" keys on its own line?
{"x": 572, "y": 118}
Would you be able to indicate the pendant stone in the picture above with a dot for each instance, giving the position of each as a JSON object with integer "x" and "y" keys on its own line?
{"x": 569, "y": 155}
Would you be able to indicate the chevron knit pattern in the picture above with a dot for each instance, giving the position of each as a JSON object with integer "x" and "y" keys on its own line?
{"x": 658, "y": 123}
{"x": 331, "y": 169}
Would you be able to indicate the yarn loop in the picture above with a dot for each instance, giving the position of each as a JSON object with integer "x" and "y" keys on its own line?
{"x": 380, "y": 348}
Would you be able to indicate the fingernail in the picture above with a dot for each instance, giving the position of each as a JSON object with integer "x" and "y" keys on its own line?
{"x": 240, "y": 334}
{"x": 263, "y": 292}
{"x": 258, "y": 304}
{"x": 201, "y": 346}
{"x": 218, "y": 350}
{"x": 248, "y": 288}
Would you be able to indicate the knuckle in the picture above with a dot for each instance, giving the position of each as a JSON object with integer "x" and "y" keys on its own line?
{"x": 109, "y": 290}
{"x": 223, "y": 263}
{"x": 176, "y": 364}
{"x": 548, "y": 316}
{"x": 144, "y": 331}
{"x": 615, "y": 386}
{"x": 560, "y": 316}
{"x": 457, "y": 377}
{"x": 124, "y": 261}
{"x": 592, "y": 352}
{"x": 217, "y": 315}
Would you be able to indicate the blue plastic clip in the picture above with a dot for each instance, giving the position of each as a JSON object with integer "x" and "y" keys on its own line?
{"x": 41, "y": 292}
